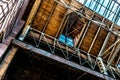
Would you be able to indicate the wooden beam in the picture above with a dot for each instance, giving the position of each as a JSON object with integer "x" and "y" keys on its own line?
{"x": 33, "y": 12}
{"x": 63, "y": 22}
{"x": 6, "y": 62}
{"x": 59, "y": 59}
{"x": 30, "y": 18}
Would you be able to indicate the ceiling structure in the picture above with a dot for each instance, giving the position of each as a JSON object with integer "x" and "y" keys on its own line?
{"x": 110, "y": 9}
{"x": 84, "y": 36}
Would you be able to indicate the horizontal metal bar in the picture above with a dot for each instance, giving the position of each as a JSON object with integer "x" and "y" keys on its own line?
{"x": 62, "y": 3}
{"x": 59, "y": 59}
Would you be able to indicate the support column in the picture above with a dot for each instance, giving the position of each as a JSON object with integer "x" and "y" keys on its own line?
{"x": 6, "y": 62}
{"x": 113, "y": 57}
{"x": 30, "y": 19}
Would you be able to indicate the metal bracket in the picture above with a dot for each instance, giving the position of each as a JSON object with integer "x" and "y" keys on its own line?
{"x": 23, "y": 35}
{"x": 101, "y": 66}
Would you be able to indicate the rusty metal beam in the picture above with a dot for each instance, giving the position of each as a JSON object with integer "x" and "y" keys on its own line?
{"x": 59, "y": 59}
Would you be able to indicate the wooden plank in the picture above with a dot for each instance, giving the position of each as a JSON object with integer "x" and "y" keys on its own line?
{"x": 33, "y": 12}
{"x": 89, "y": 37}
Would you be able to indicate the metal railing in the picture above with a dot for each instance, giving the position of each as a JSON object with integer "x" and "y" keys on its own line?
{"x": 69, "y": 53}
{"x": 83, "y": 57}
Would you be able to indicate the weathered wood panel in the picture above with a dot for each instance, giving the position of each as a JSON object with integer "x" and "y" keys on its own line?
{"x": 99, "y": 41}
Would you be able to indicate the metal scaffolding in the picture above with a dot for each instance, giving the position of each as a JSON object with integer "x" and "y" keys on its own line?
{"x": 71, "y": 55}
{"x": 83, "y": 57}
{"x": 108, "y": 8}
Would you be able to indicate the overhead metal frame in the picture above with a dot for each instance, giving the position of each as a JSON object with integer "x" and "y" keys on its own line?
{"x": 66, "y": 51}
{"x": 110, "y": 8}
{"x": 76, "y": 51}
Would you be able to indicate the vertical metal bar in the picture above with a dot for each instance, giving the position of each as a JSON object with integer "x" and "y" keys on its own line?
{"x": 50, "y": 15}
{"x": 111, "y": 9}
{"x": 46, "y": 24}
{"x": 62, "y": 23}
{"x": 105, "y": 42}
{"x": 116, "y": 14}
{"x": 96, "y": 5}
{"x": 82, "y": 31}
{"x": 108, "y": 35}
{"x": 118, "y": 61}
{"x": 90, "y": 4}
{"x": 88, "y": 25}
{"x": 111, "y": 53}
{"x": 106, "y": 10}
{"x": 100, "y": 6}
{"x": 113, "y": 57}
{"x": 110, "y": 47}
{"x": 95, "y": 37}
